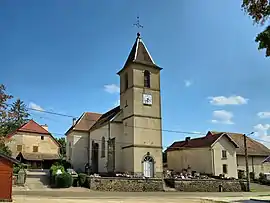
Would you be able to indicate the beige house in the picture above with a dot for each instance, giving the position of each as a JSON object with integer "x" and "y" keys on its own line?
{"x": 34, "y": 145}
{"x": 218, "y": 153}
{"x": 257, "y": 153}
{"x": 123, "y": 139}
{"x": 212, "y": 154}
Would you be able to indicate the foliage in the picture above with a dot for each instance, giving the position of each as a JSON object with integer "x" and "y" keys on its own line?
{"x": 62, "y": 142}
{"x": 252, "y": 175}
{"x": 259, "y": 10}
{"x": 63, "y": 180}
{"x": 18, "y": 167}
{"x": 54, "y": 169}
{"x": 10, "y": 118}
{"x": 83, "y": 181}
{"x": 263, "y": 180}
{"x": 19, "y": 113}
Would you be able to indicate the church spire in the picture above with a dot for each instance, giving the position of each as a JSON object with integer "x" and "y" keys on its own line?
{"x": 140, "y": 54}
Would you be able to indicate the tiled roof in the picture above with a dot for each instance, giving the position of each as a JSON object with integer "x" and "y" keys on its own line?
{"x": 32, "y": 127}
{"x": 254, "y": 148}
{"x": 205, "y": 141}
{"x": 140, "y": 54}
{"x": 39, "y": 156}
{"x": 106, "y": 117}
{"x": 85, "y": 122}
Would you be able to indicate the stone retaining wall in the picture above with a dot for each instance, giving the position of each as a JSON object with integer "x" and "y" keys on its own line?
{"x": 206, "y": 185}
{"x": 125, "y": 184}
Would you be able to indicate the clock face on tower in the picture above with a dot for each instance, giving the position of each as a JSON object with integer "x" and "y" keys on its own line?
{"x": 147, "y": 99}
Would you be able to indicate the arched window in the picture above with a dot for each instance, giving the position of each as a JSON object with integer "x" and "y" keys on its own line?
{"x": 126, "y": 81}
{"x": 146, "y": 78}
{"x": 103, "y": 147}
{"x": 148, "y": 166}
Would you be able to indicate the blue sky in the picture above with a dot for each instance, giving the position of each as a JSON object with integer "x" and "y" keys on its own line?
{"x": 60, "y": 55}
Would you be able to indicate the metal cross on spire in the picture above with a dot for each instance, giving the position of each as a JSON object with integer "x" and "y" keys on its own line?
{"x": 138, "y": 25}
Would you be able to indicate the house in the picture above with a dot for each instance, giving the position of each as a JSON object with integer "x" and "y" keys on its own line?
{"x": 122, "y": 139}
{"x": 77, "y": 139}
{"x": 257, "y": 153}
{"x": 34, "y": 145}
{"x": 6, "y": 174}
{"x": 213, "y": 154}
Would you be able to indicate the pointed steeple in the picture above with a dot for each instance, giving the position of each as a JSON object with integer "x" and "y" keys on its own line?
{"x": 140, "y": 54}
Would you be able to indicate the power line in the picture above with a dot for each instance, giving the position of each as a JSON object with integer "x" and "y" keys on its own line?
{"x": 133, "y": 126}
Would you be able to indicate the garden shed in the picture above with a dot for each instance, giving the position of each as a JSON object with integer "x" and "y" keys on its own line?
{"x": 6, "y": 174}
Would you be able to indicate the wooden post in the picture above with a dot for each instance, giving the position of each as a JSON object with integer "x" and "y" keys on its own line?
{"x": 247, "y": 168}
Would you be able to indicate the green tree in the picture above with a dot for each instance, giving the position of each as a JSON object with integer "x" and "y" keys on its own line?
{"x": 259, "y": 10}
{"x": 5, "y": 122}
{"x": 19, "y": 113}
{"x": 62, "y": 142}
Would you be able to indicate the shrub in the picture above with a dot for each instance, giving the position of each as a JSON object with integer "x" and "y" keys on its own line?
{"x": 63, "y": 180}
{"x": 83, "y": 180}
{"x": 54, "y": 169}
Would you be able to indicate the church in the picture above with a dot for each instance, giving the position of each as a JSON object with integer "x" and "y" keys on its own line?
{"x": 127, "y": 138}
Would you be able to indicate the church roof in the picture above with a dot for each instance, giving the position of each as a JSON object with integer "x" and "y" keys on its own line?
{"x": 106, "y": 117}
{"x": 140, "y": 54}
{"x": 85, "y": 122}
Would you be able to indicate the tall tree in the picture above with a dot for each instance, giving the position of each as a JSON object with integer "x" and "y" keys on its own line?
{"x": 259, "y": 10}
{"x": 62, "y": 142}
{"x": 19, "y": 113}
{"x": 4, "y": 119}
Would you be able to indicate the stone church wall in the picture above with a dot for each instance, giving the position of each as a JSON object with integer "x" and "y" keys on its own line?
{"x": 126, "y": 184}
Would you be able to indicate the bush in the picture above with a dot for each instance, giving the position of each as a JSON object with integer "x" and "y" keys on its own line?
{"x": 54, "y": 169}
{"x": 63, "y": 180}
{"x": 83, "y": 180}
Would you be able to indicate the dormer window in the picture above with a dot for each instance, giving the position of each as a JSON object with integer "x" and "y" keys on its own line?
{"x": 147, "y": 79}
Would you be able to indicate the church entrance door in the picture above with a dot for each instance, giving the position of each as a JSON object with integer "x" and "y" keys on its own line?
{"x": 148, "y": 167}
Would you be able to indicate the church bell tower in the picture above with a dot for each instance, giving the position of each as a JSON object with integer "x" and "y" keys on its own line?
{"x": 140, "y": 102}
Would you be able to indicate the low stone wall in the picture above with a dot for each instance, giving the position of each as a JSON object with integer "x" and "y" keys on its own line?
{"x": 118, "y": 184}
{"x": 206, "y": 185}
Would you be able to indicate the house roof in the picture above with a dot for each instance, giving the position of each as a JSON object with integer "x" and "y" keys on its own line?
{"x": 32, "y": 127}
{"x": 140, "y": 54}
{"x": 106, "y": 117}
{"x": 206, "y": 141}
{"x": 85, "y": 122}
{"x": 38, "y": 156}
{"x": 254, "y": 148}
{"x": 9, "y": 158}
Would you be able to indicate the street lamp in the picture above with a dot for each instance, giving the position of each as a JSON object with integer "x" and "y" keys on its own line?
{"x": 246, "y": 158}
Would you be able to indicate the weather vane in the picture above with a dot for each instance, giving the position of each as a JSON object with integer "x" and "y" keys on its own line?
{"x": 137, "y": 24}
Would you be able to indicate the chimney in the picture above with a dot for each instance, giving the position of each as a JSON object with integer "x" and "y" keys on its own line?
{"x": 187, "y": 139}
{"x": 45, "y": 126}
{"x": 73, "y": 121}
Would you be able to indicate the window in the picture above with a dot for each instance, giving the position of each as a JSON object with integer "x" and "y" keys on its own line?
{"x": 19, "y": 148}
{"x": 42, "y": 137}
{"x": 146, "y": 78}
{"x": 103, "y": 147}
{"x": 224, "y": 154}
{"x": 35, "y": 148}
{"x": 126, "y": 81}
{"x": 225, "y": 168}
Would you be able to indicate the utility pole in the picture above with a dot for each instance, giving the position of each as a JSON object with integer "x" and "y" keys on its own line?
{"x": 247, "y": 168}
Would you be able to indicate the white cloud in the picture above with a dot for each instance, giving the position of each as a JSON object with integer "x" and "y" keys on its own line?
{"x": 112, "y": 88}
{"x": 261, "y": 131}
{"x": 36, "y": 107}
{"x": 232, "y": 100}
{"x": 264, "y": 114}
{"x": 188, "y": 83}
{"x": 222, "y": 116}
